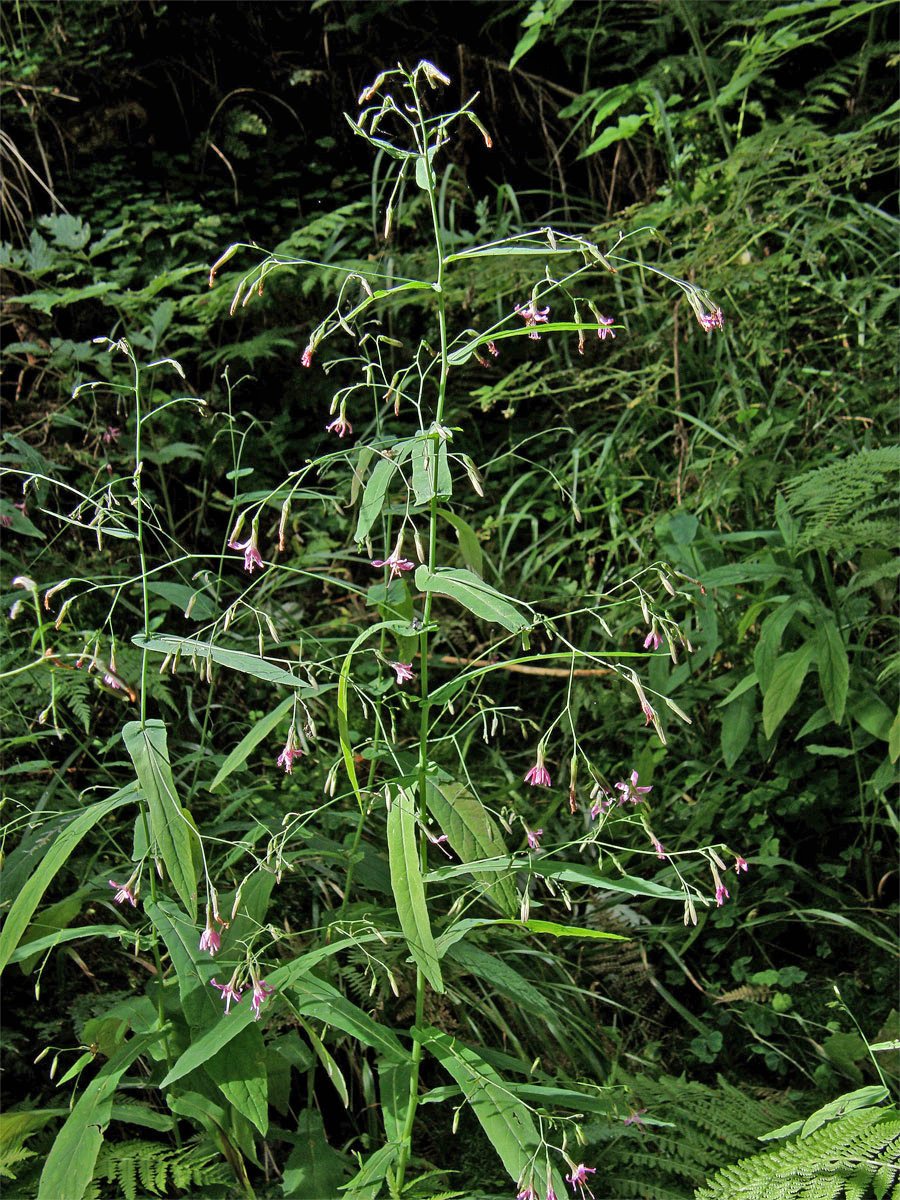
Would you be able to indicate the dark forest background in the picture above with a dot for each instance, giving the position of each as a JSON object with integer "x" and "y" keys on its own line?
{"x": 755, "y": 145}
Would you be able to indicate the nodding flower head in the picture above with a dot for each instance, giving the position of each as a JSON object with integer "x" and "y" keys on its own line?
{"x": 290, "y": 752}
{"x": 631, "y": 791}
{"x": 539, "y": 776}
{"x": 740, "y": 864}
{"x": 651, "y": 641}
{"x": 395, "y": 561}
{"x": 532, "y": 315}
{"x": 534, "y": 838}
{"x": 124, "y": 891}
{"x": 710, "y": 321}
{"x": 340, "y": 425}
{"x": 230, "y": 991}
{"x": 604, "y": 328}
{"x": 403, "y": 671}
{"x": 578, "y": 1179}
{"x": 252, "y": 557}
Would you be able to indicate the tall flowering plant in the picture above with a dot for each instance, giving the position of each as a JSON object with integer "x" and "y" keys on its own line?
{"x": 389, "y": 731}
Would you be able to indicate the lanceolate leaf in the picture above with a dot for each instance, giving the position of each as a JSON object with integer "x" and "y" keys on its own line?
{"x": 373, "y": 497}
{"x": 239, "y": 1070}
{"x": 250, "y": 741}
{"x": 472, "y": 593}
{"x": 70, "y": 1163}
{"x": 232, "y": 660}
{"x": 505, "y": 1119}
{"x": 784, "y": 687}
{"x": 473, "y": 834}
{"x": 834, "y": 667}
{"x": 146, "y": 744}
{"x": 64, "y": 843}
{"x": 408, "y": 888}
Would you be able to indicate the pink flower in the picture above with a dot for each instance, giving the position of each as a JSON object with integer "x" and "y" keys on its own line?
{"x": 635, "y": 1117}
{"x": 209, "y": 940}
{"x": 551, "y": 1195}
{"x": 112, "y": 682}
{"x": 740, "y": 864}
{"x": 112, "y": 434}
{"x": 578, "y": 1179}
{"x": 229, "y": 992}
{"x": 395, "y": 562}
{"x": 631, "y": 791}
{"x": 527, "y": 1193}
{"x": 261, "y": 993}
{"x": 713, "y": 320}
{"x": 532, "y": 315}
{"x": 600, "y": 805}
{"x": 658, "y": 847}
{"x": 252, "y": 558}
{"x": 722, "y": 894}
{"x": 538, "y": 776}
{"x": 651, "y": 641}
{"x": 6, "y": 520}
{"x": 123, "y": 892}
{"x": 403, "y": 671}
{"x": 534, "y": 838}
{"x": 648, "y": 712}
{"x": 289, "y": 753}
{"x": 603, "y": 328}
{"x": 340, "y": 425}
{"x": 307, "y": 357}
{"x": 492, "y": 349}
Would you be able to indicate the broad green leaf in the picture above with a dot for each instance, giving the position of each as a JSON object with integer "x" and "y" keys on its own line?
{"x": 80, "y": 932}
{"x": 770, "y": 635}
{"x": 366, "y": 1184}
{"x": 873, "y": 714}
{"x": 894, "y": 739}
{"x": 70, "y": 1162}
{"x": 784, "y": 688}
{"x": 29, "y": 897}
{"x": 179, "y": 595}
{"x": 460, "y": 929}
{"x": 373, "y": 497}
{"x": 250, "y": 740}
{"x": 314, "y": 1169}
{"x": 472, "y": 593}
{"x": 625, "y": 127}
{"x": 738, "y": 722}
{"x": 592, "y": 877}
{"x": 500, "y": 975}
{"x": 408, "y": 888}
{"x": 834, "y": 666}
{"x": 314, "y": 998}
{"x": 473, "y": 834}
{"x": 182, "y": 939}
{"x": 332, "y": 1070}
{"x": 469, "y": 545}
{"x": 505, "y": 1119}
{"x": 232, "y": 660}
{"x": 146, "y": 744}
{"x": 393, "y": 1090}
{"x": 239, "y": 1070}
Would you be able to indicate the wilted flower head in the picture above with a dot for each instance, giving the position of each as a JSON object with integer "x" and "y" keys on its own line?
{"x": 710, "y": 321}
{"x": 740, "y": 864}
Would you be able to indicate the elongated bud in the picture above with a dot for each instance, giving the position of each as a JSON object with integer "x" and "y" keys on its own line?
{"x": 220, "y": 262}
{"x": 664, "y": 580}
{"x": 282, "y": 524}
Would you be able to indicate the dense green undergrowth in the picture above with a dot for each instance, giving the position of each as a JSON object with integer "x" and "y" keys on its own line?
{"x": 690, "y": 523}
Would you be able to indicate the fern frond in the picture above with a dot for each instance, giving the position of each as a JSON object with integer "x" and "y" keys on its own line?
{"x": 840, "y": 1160}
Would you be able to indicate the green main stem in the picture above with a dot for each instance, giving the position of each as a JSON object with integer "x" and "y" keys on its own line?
{"x": 425, "y": 710}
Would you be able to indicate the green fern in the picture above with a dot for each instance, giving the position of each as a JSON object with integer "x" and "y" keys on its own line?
{"x": 704, "y": 1126}
{"x": 849, "y": 503}
{"x": 140, "y": 1169}
{"x": 853, "y": 1158}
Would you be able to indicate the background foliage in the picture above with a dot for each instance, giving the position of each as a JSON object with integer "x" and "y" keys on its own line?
{"x": 749, "y": 146}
